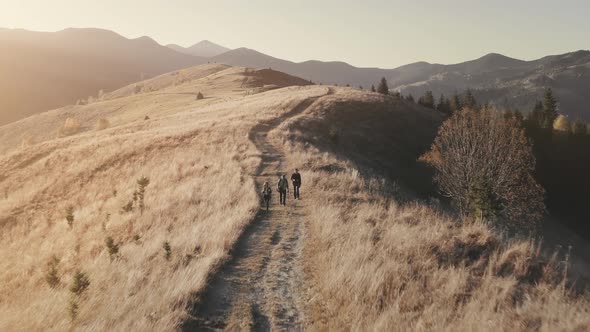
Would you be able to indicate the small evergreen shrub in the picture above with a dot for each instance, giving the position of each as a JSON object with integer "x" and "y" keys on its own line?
{"x": 167, "y": 250}
{"x": 112, "y": 247}
{"x": 143, "y": 182}
{"x": 73, "y": 307}
{"x": 70, "y": 216}
{"x": 52, "y": 276}
{"x": 80, "y": 283}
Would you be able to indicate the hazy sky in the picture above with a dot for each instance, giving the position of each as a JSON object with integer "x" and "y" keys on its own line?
{"x": 364, "y": 33}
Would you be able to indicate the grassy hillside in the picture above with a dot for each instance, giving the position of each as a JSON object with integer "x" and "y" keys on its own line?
{"x": 375, "y": 262}
{"x": 197, "y": 156}
{"x": 374, "y": 257}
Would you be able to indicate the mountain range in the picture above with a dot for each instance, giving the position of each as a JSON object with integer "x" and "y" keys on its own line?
{"x": 493, "y": 78}
{"x": 203, "y": 48}
{"x": 45, "y": 70}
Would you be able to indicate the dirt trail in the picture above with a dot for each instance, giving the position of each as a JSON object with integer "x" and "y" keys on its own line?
{"x": 260, "y": 287}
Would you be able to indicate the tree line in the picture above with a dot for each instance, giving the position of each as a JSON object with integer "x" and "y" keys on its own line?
{"x": 544, "y": 114}
{"x": 552, "y": 155}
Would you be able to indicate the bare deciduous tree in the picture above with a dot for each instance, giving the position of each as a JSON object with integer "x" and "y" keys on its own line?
{"x": 484, "y": 163}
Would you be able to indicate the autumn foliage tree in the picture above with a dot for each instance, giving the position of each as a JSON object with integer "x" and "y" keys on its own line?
{"x": 484, "y": 164}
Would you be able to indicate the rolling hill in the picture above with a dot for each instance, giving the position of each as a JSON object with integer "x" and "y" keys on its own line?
{"x": 193, "y": 250}
{"x": 45, "y": 70}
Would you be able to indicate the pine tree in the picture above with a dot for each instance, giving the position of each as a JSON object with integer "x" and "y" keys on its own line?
{"x": 373, "y": 88}
{"x": 410, "y": 98}
{"x": 443, "y": 105}
{"x": 469, "y": 100}
{"x": 427, "y": 100}
{"x": 455, "y": 103}
{"x": 508, "y": 114}
{"x": 142, "y": 183}
{"x": 536, "y": 118}
{"x": 549, "y": 106}
{"x": 579, "y": 128}
{"x": 383, "y": 87}
{"x": 518, "y": 115}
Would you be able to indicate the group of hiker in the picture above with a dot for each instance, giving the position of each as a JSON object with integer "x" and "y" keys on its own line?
{"x": 282, "y": 188}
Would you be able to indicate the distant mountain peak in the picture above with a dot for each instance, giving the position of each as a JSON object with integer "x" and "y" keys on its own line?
{"x": 204, "y": 48}
{"x": 497, "y": 57}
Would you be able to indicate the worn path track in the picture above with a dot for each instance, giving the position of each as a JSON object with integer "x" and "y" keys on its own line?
{"x": 260, "y": 287}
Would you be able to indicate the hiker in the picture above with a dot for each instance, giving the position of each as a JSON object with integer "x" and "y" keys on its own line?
{"x": 283, "y": 188}
{"x": 266, "y": 194}
{"x": 296, "y": 179}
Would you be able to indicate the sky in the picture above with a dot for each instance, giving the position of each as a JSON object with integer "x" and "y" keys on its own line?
{"x": 369, "y": 33}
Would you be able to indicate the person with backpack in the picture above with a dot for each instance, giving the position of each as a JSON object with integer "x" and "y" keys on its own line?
{"x": 296, "y": 179}
{"x": 283, "y": 188}
{"x": 266, "y": 194}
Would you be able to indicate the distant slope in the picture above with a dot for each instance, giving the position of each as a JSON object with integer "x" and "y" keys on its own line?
{"x": 149, "y": 98}
{"x": 44, "y": 70}
{"x": 495, "y": 78}
{"x": 203, "y": 48}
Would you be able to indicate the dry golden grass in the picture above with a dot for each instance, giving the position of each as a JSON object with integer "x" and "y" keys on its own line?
{"x": 370, "y": 262}
{"x": 374, "y": 264}
{"x": 199, "y": 200}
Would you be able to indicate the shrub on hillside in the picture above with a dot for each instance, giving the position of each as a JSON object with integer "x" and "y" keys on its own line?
{"x": 200, "y": 96}
{"x": 112, "y": 247}
{"x": 142, "y": 183}
{"x": 484, "y": 164}
{"x": 73, "y": 307}
{"x": 70, "y": 127}
{"x": 167, "y": 250}
{"x": 561, "y": 124}
{"x": 102, "y": 124}
{"x": 70, "y": 216}
{"x": 52, "y": 277}
{"x": 80, "y": 283}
